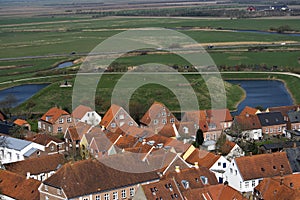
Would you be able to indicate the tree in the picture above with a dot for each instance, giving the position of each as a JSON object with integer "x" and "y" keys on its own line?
{"x": 199, "y": 138}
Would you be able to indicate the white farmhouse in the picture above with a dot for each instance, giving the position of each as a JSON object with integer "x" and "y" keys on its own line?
{"x": 245, "y": 173}
{"x": 13, "y": 149}
{"x": 87, "y": 115}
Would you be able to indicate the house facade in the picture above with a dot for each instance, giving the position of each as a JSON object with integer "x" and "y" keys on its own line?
{"x": 85, "y": 114}
{"x": 272, "y": 123}
{"x": 91, "y": 179}
{"x": 245, "y": 173}
{"x": 55, "y": 121}
{"x": 15, "y": 149}
{"x": 248, "y": 126}
{"x": 116, "y": 117}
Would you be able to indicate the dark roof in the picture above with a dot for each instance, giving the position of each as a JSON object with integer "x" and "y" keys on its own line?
{"x": 280, "y": 145}
{"x": 6, "y": 127}
{"x": 294, "y": 116}
{"x": 90, "y": 176}
{"x": 44, "y": 139}
{"x": 293, "y": 155}
{"x": 271, "y": 118}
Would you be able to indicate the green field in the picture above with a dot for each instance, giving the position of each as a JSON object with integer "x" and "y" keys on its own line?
{"x": 47, "y": 36}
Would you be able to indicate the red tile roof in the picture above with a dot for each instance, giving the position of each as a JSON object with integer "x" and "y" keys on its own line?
{"x": 73, "y": 134}
{"x": 248, "y": 110}
{"x": 204, "y": 158}
{"x": 263, "y": 165}
{"x": 20, "y": 122}
{"x": 192, "y": 175}
{"x": 18, "y": 187}
{"x": 36, "y": 166}
{"x": 247, "y": 122}
{"x": 109, "y": 115}
{"x": 214, "y": 192}
{"x": 44, "y": 139}
{"x": 91, "y": 176}
{"x": 163, "y": 189}
{"x": 80, "y": 111}
{"x": 53, "y": 114}
{"x": 155, "y": 110}
{"x": 271, "y": 188}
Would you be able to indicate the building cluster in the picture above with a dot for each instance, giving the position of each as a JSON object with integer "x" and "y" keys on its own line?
{"x": 114, "y": 157}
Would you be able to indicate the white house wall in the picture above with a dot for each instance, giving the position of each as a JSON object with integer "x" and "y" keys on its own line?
{"x": 221, "y": 165}
{"x": 92, "y": 118}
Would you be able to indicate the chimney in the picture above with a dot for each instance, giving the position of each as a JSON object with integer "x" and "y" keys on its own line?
{"x": 177, "y": 169}
{"x": 196, "y": 165}
{"x": 281, "y": 177}
{"x": 28, "y": 175}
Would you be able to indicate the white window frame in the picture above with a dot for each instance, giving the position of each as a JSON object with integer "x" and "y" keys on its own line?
{"x": 172, "y": 120}
{"x": 106, "y": 196}
{"x": 121, "y": 116}
{"x": 123, "y": 194}
{"x": 59, "y": 129}
{"x": 115, "y": 195}
{"x": 69, "y": 119}
{"x": 97, "y": 197}
{"x": 113, "y": 125}
{"x": 61, "y": 120}
{"x": 131, "y": 192}
{"x": 247, "y": 184}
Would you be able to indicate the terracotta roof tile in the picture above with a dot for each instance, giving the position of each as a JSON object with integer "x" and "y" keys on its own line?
{"x": 263, "y": 165}
{"x": 35, "y": 166}
{"x": 90, "y": 176}
{"x": 271, "y": 188}
{"x": 73, "y": 134}
{"x": 249, "y": 111}
{"x": 80, "y": 111}
{"x": 204, "y": 158}
{"x": 53, "y": 114}
{"x": 109, "y": 115}
{"x": 214, "y": 192}
{"x": 20, "y": 122}
{"x": 18, "y": 187}
{"x": 164, "y": 189}
{"x": 44, "y": 139}
{"x": 192, "y": 175}
{"x": 154, "y": 111}
{"x": 247, "y": 122}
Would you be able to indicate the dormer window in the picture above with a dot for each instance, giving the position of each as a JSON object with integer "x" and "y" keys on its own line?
{"x": 48, "y": 118}
{"x": 204, "y": 180}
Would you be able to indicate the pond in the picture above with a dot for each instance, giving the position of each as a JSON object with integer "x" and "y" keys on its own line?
{"x": 265, "y": 93}
{"x": 18, "y": 94}
{"x": 64, "y": 65}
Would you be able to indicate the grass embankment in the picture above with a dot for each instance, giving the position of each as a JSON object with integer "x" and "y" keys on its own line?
{"x": 53, "y": 95}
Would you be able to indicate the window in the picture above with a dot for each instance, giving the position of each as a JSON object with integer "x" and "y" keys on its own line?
{"x": 69, "y": 120}
{"x": 231, "y": 170}
{"x": 86, "y": 198}
{"x": 271, "y": 130}
{"x": 241, "y": 185}
{"x": 155, "y": 122}
{"x": 219, "y": 163}
{"x": 253, "y": 183}
{"x": 46, "y": 198}
{"x": 59, "y": 129}
{"x": 115, "y": 195}
{"x": 279, "y": 129}
{"x": 44, "y": 126}
{"x": 58, "y": 191}
{"x": 61, "y": 120}
{"x": 172, "y": 120}
{"x": 113, "y": 125}
{"x": 9, "y": 155}
{"x": 106, "y": 196}
{"x": 224, "y": 165}
{"x": 122, "y": 116}
{"x": 18, "y": 156}
{"x": 123, "y": 193}
{"x": 52, "y": 147}
{"x": 163, "y": 114}
{"x": 235, "y": 172}
{"x": 49, "y": 129}
{"x": 130, "y": 123}
{"x": 246, "y": 184}
{"x": 98, "y": 197}
{"x": 267, "y": 130}
{"x": 164, "y": 121}
{"x": 46, "y": 187}
{"x": 131, "y": 191}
